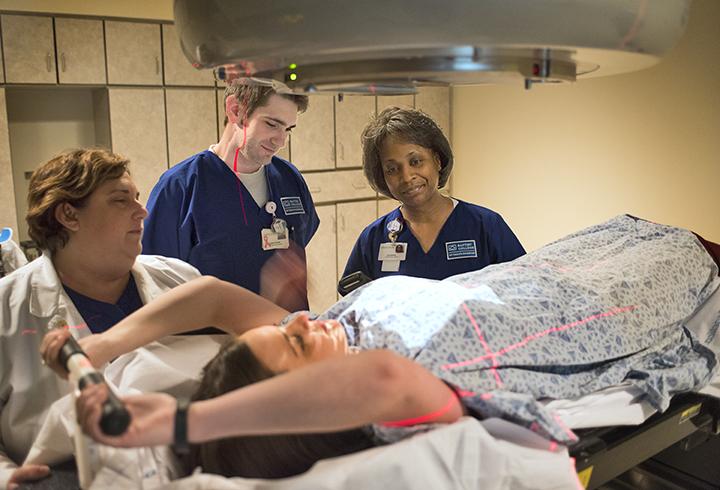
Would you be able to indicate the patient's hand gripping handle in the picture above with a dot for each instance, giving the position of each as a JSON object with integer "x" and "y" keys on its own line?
{"x": 115, "y": 417}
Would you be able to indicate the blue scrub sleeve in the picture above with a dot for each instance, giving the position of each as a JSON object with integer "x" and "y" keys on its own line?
{"x": 356, "y": 261}
{"x": 505, "y": 244}
{"x": 166, "y": 231}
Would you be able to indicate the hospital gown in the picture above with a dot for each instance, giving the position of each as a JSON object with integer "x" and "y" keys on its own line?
{"x": 599, "y": 307}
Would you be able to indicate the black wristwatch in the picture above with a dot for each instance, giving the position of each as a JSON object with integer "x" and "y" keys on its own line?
{"x": 180, "y": 442}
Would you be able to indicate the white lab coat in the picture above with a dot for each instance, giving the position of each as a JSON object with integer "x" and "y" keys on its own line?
{"x": 30, "y": 297}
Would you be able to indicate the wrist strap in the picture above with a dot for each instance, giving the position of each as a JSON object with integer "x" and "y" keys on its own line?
{"x": 180, "y": 443}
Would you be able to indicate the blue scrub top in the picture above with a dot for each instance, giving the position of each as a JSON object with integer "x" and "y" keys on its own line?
{"x": 98, "y": 315}
{"x": 471, "y": 238}
{"x": 201, "y": 213}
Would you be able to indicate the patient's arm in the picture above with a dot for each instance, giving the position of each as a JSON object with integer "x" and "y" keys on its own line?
{"x": 332, "y": 395}
{"x": 202, "y": 302}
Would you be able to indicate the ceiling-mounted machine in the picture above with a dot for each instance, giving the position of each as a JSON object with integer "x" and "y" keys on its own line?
{"x": 390, "y": 46}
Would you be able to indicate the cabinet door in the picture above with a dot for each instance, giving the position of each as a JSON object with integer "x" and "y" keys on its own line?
{"x": 386, "y": 205}
{"x": 351, "y": 117}
{"x": 191, "y": 122}
{"x": 338, "y": 186}
{"x": 133, "y": 53}
{"x": 8, "y": 214}
{"x": 220, "y": 112}
{"x": 405, "y": 101}
{"x": 313, "y": 140}
{"x": 352, "y": 218}
{"x": 178, "y": 70}
{"x": 80, "y": 50}
{"x": 2, "y": 67}
{"x": 137, "y": 125}
{"x": 322, "y": 259}
{"x": 29, "y": 49}
{"x": 435, "y": 102}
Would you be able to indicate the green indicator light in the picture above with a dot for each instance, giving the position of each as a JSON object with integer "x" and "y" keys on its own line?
{"x": 292, "y": 66}
{"x": 293, "y": 76}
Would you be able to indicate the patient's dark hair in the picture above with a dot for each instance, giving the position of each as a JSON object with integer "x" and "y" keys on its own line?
{"x": 279, "y": 456}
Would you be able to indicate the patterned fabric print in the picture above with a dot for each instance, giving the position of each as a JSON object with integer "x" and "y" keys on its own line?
{"x": 601, "y": 306}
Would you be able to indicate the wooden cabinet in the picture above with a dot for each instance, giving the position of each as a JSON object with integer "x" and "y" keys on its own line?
{"x": 352, "y": 218}
{"x": 405, "y": 101}
{"x": 220, "y": 112}
{"x": 313, "y": 141}
{"x": 322, "y": 261}
{"x": 80, "y": 50}
{"x": 386, "y": 205}
{"x": 435, "y": 102}
{"x": 137, "y": 123}
{"x": 29, "y": 49}
{"x": 178, "y": 70}
{"x": 8, "y": 213}
{"x": 2, "y": 67}
{"x": 352, "y": 114}
{"x": 328, "y": 251}
{"x": 342, "y": 185}
{"x": 133, "y": 53}
{"x": 191, "y": 122}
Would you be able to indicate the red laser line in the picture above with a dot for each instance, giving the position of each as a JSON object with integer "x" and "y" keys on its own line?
{"x": 423, "y": 419}
{"x": 536, "y": 336}
{"x": 493, "y": 370}
{"x": 564, "y": 427}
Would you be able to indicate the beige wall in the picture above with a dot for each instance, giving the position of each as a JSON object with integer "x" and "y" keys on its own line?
{"x": 555, "y": 159}
{"x": 135, "y": 9}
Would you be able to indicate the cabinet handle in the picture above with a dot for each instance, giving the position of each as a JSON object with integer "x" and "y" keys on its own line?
{"x": 342, "y": 151}
{"x": 342, "y": 222}
{"x": 359, "y": 185}
{"x": 48, "y": 61}
{"x": 314, "y": 190}
{"x": 63, "y": 64}
{"x": 157, "y": 65}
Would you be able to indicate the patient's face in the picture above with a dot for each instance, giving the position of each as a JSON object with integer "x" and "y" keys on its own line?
{"x": 297, "y": 344}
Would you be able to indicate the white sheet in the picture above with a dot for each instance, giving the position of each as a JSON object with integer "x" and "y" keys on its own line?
{"x": 446, "y": 458}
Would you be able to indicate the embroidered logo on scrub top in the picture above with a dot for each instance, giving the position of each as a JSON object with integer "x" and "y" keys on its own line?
{"x": 464, "y": 249}
{"x": 292, "y": 205}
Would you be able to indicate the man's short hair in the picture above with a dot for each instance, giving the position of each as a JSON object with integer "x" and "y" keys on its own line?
{"x": 251, "y": 96}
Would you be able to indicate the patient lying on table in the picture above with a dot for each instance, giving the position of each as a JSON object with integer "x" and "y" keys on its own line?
{"x": 597, "y": 308}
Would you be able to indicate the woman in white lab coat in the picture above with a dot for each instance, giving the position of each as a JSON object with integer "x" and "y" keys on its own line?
{"x": 84, "y": 213}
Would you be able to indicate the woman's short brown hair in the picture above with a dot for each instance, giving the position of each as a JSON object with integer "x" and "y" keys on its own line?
{"x": 407, "y": 126}
{"x": 69, "y": 177}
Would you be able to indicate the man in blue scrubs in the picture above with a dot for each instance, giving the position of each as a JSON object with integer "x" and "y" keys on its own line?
{"x": 236, "y": 211}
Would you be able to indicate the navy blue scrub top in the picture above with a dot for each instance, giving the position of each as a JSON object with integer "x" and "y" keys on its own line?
{"x": 100, "y": 316}
{"x": 201, "y": 213}
{"x": 472, "y": 237}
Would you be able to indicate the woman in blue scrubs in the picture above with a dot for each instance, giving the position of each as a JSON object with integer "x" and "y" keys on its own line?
{"x": 407, "y": 157}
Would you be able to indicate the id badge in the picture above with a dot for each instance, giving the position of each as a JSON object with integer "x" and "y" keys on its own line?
{"x": 390, "y": 251}
{"x": 272, "y": 240}
{"x": 390, "y": 266}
